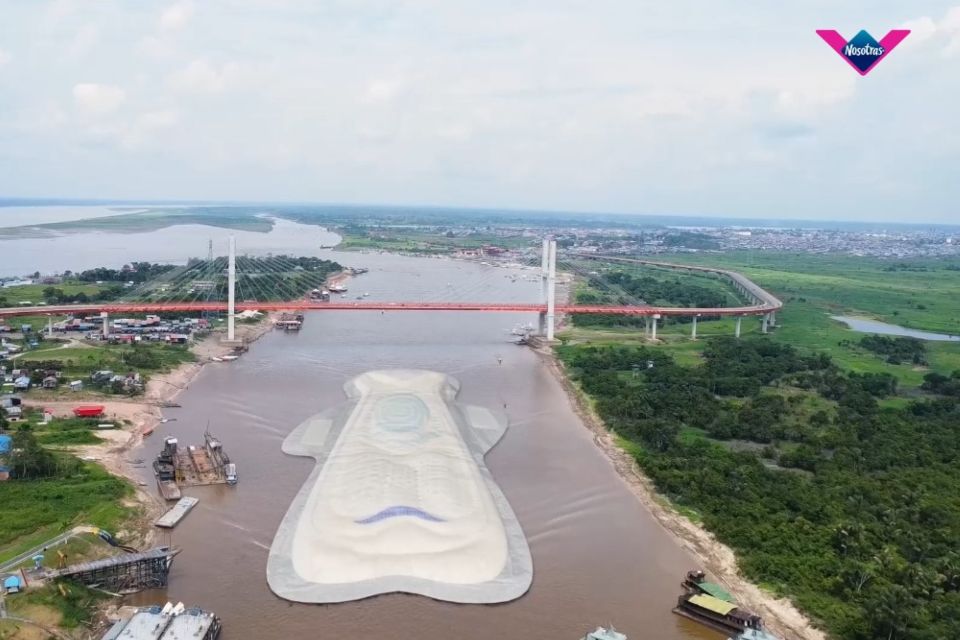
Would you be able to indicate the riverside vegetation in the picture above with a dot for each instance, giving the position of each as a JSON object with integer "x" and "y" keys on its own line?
{"x": 828, "y": 462}
{"x": 849, "y": 508}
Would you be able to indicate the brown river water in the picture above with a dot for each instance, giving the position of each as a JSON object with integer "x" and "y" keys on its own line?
{"x": 599, "y": 557}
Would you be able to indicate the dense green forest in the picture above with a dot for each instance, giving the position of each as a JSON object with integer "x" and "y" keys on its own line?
{"x": 624, "y": 288}
{"x": 850, "y": 509}
{"x": 897, "y": 349}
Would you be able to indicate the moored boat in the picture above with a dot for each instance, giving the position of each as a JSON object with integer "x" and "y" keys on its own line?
{"x": 696, "y": 582}
{"x": 716, "y": 613}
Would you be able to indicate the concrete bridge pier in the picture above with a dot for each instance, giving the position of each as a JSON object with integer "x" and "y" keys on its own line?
{"x": 773, "y": 318}
{"x": 736, "y": 331}
{"x": 49, "y": 326}
{"x": 693, "y": 330}
{"x": 106, "y": 324}
{"x": 551, "y": 289}
{"x": 764, "y": 322}
{"x": 231, "y": 290}
{"x": 653, "y": 326}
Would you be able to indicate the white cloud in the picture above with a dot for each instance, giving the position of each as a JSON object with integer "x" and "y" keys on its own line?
{"x": 203, "y": 76}
{"x": 943, "y": 33}
{"x": 176, "y": 16}
{"x": 599, "y": 105}
{"x": 98, "y": 99}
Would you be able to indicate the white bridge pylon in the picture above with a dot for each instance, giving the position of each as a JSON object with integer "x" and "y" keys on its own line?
{"x": 548, "y": 287}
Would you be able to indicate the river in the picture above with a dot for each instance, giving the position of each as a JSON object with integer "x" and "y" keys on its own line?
{"x": 599, "y": 556}
{"x": 866, "y": 325}
{"x": 171, "y": 245}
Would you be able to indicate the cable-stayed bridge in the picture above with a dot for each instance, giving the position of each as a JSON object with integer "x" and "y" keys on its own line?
{"x": 284, "y": 283}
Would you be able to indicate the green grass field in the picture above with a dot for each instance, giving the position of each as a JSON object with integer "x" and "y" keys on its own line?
{"x": 32, "y": 511}
{"x": 12, "y": 296}
{"x": 82, "y": 361}
{"x": 923, "y": 294}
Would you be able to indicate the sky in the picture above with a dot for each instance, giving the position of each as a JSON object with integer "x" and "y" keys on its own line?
{"x": 692, "y": 107}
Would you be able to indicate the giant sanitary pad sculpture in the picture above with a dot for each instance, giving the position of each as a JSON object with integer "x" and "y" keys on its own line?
{"x": 400, "y": 500}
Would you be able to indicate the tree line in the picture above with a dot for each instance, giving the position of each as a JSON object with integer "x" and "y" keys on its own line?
{"x": 849, "y": 508}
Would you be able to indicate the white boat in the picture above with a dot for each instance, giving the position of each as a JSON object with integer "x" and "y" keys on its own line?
{"x": 230, "y": 471}
{"x": 603, "y": 633}
{"x": 228, "y": 358}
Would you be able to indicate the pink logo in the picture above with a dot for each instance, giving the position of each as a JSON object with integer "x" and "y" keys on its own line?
{"x": 862, "y": 52}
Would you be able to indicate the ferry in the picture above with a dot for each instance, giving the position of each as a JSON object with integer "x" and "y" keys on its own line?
{"x": 337, "y": 288}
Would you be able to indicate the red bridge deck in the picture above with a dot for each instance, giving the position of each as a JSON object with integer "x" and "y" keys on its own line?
{"x": 304, "y": 305}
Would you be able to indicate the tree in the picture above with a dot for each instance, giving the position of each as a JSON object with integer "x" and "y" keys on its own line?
{"x": 28, "y": 459}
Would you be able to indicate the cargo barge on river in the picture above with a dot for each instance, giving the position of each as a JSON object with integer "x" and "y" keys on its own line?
{"x": 711, "y": 605}
{"x": 192, "y": 466}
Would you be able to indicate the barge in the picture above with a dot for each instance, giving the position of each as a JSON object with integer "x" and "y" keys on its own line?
{"x": 177, "y": 513}
{"x": 290, "y": 321}
{"x": 192, "y": 466}
{"x": 710, "y": 604}
{"x": 165, "y": 471}
{"x": 167, "y": 623}
{"x": 717, "y": 614}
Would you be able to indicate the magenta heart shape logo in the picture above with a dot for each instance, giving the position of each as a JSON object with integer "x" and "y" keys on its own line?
{"x": 862, "y": 51}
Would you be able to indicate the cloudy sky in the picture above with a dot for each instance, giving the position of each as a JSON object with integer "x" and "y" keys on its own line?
{"x": 686, "y": 107}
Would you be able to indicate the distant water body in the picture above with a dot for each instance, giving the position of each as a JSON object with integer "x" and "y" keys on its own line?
{"x": 171, "y": 245}
{"x": 580, "y": 218}
{"x": 864, "y": 325}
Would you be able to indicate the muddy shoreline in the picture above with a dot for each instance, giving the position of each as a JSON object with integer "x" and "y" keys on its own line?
{"x": 779, "y": 614}
{"x": 140, "y": 417}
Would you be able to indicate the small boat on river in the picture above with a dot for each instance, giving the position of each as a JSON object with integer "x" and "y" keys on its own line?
{"x": 602, "y": 633}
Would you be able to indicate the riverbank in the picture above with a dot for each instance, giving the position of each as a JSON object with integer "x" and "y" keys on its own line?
{"x": 137, "y": 418}
{"x": 780, "y": 615}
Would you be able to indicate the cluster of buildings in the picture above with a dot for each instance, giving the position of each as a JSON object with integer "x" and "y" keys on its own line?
{"x": 918, "y": 243}
{"x": 130, "y": 330}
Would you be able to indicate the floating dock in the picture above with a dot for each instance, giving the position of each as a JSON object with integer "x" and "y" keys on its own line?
{"x": 166, "y": 623}
{"x": 177, "y": 513}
